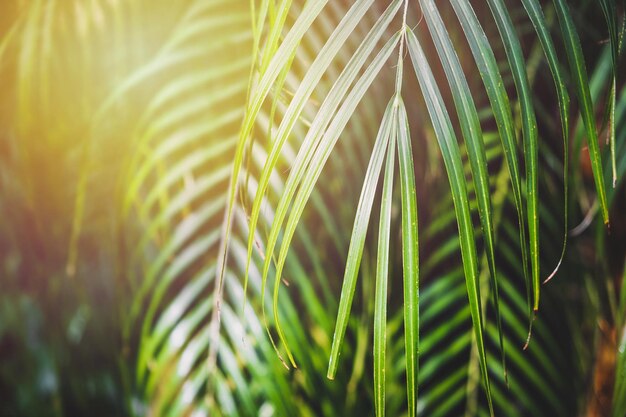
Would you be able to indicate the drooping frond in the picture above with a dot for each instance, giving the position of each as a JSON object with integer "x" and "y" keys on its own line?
{"x": 520, "y": 148}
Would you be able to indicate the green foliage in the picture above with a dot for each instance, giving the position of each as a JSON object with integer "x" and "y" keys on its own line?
{"x": 188, "y": 192}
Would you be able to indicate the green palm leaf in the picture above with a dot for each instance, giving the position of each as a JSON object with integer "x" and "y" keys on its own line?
{"x": 454, "y": 167}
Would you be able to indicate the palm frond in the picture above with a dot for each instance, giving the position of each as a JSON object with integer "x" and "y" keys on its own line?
{"x": 178, "y": 200}
{"x": 330, "y": 121}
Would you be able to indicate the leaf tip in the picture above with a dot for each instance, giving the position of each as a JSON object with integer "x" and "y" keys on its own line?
{"x": 530, "y": 329}
{"x": 332, "y": 368}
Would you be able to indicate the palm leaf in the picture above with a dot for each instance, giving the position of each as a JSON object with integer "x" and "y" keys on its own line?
{"x": 454, "y": 167}
{"x": 172, "y": 339}
{"x": 321, "y": 139}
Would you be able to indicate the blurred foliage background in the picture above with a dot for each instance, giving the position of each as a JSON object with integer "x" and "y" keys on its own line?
{"x": 119, "y": 121}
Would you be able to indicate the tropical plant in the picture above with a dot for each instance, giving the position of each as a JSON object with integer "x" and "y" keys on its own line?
{"x": 215, "y": 167}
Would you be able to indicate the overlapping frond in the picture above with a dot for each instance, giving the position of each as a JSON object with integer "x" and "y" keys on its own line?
{"x": 520, "y": 148}
{"x": 177, "y": 193}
